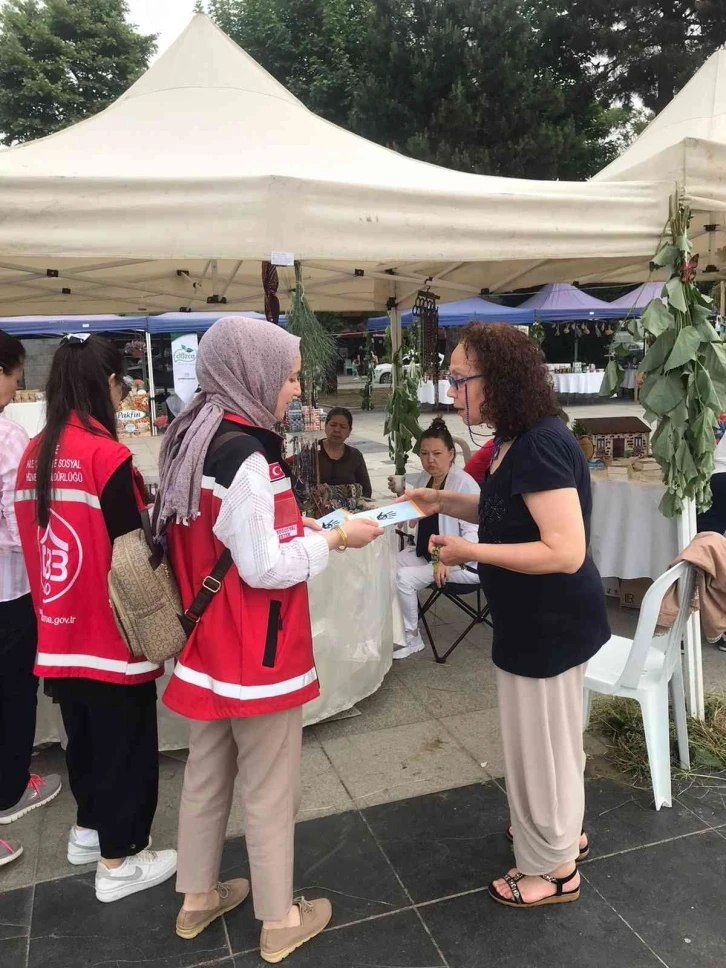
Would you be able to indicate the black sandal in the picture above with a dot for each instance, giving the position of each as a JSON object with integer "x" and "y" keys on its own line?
{"x": 583, "y": 855}
{"x": 517, "y": 901}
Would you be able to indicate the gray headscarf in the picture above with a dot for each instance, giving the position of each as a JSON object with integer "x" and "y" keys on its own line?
{"x": 242, "y": 365}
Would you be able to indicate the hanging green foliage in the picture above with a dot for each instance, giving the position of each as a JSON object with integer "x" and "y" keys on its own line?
{"x": 318, "y": 348}
{"x": 366, "y": 393}
{"x": 403, "y": 409}
{"x": 685, "y": 374}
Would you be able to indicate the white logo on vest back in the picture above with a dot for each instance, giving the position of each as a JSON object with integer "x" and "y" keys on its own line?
{"x": 61, "y": 557}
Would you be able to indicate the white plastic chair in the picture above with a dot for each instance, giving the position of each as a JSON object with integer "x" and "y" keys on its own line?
{"x": 642, "y": 669}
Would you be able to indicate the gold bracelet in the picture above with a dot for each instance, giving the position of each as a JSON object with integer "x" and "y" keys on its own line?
{"x": 342, "y": 532}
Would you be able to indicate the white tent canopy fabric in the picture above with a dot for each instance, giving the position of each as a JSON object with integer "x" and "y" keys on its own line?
{"x": 686, "y": 143}
{"x": 174, "y": 194}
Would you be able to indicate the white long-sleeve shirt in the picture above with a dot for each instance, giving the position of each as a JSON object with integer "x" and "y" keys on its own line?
{"x": 13, "y": 575}
{"x": 246, "y": 525}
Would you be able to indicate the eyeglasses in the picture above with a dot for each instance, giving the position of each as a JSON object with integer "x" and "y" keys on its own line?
{"x": 126, "y": 386}
{"x": 74, "y": 338}
{"x": 458, "y": 381}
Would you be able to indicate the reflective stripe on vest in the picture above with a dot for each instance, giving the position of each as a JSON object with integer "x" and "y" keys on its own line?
{"x": 231, "y": 690}
{"x": 66, "y": 660}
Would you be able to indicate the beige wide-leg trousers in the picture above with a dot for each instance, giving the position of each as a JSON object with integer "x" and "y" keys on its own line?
{"x": 265, "y": 752}
{"x": 544, "y": 760}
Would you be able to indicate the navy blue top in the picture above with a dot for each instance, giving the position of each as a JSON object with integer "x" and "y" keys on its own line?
{"x": 543, "y": 624}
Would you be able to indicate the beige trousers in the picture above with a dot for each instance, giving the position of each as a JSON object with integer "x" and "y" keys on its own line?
{"x": 265, "y": 752}
{"x": 544, "y": 761}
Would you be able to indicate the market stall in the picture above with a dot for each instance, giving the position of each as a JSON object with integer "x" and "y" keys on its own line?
{"x": 586, "y": 384}
{"x": 355, "y": 618}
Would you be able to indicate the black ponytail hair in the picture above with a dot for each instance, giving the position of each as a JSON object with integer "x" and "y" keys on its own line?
{"x": 439, "y": 431}
{"x": 12, "y": 352}
{"x": 78, "y": 383}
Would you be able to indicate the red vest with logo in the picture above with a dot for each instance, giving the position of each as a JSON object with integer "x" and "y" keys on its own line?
{"x": 251, "y": 652}
{"x": 68, "y": 562}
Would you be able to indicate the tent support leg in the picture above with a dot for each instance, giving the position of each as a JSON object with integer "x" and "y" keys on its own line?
{"x": 152, "y": 386}
{"x": 692, "y": 639}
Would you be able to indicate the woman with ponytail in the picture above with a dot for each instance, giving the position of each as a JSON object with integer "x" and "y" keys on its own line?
{"x": 77, "y": 491}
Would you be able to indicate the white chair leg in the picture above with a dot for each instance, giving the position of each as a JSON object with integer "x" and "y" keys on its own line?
{"x": 586, "y": 708}
{"x": 654, "y": 708}
{"x": 678, "y": 698}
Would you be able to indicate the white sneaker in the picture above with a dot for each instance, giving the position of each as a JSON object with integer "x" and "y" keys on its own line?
{"x": 137, "y": 873}
{"x": 414, "y": 643}
{"x": 84, "y": 848}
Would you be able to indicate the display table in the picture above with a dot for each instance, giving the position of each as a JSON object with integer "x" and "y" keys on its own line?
{"x": 427, "y": 392}
{"x": 629, "y": 537}
{"x": 353, "y": 607}
{"x": 587, "y": 384}
{"x": 30, "y": 416}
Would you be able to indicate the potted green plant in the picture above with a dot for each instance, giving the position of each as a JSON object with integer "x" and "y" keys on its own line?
{"x": 584, "y": 439}
{"x": 402, "y": 413}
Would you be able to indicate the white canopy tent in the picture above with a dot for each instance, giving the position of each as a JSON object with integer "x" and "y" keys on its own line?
{"x": 174, "y": 194}
{"x": 686, "y": 144}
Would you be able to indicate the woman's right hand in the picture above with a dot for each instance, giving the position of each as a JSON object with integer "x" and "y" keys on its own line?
{"x": 361, "y": 531}
{"x": 428, "y": 499}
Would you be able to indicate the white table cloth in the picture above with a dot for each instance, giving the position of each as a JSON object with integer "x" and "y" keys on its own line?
{"x": 427, "y": 392}
{"x": 355, "y": 620}
{"x": 629, "y": 537}
{"x": 629, "y": 380}
{"x": 30, "y": 416}
{"x": 573, "y": 383}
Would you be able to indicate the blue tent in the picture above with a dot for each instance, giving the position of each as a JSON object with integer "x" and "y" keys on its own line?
{"x": 561, "y": 302}
{"x": 58, "y": 325}
{"x": 475, "y": 309}
{"x": 192, "y": 322}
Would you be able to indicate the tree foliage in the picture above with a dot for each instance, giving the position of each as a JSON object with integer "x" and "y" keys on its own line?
{"x": 646, "y": 49}
{"x": 63, "y": 60}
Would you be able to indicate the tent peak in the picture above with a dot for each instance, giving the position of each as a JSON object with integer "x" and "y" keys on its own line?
{"x": 203, "y": 56}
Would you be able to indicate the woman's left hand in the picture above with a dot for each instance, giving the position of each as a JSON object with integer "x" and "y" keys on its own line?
{"x": 452, "y": 550}
{"x": 441, "y": 574}
{"x": 312, "y": 524}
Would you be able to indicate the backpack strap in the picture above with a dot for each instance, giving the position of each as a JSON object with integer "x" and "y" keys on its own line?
{"x": 213, "y": 582}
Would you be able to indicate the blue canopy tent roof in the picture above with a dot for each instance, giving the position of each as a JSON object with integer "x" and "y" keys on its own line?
{"x": 637, "y": 299}
{"x": 463, "y": 311}
{"x": 561, "y": 302}
{"x": 192, "y": 322}
{"x": 58, "y": 325}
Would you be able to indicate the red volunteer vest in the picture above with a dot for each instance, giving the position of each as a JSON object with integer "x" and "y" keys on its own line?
{"x": 251, "y": 652}
{"x": 68, "y": 562}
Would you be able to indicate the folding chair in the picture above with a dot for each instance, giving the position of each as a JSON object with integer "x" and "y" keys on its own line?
{"x": 456, "y": 592}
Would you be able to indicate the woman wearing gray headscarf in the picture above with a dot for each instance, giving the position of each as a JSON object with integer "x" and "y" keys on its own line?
{"x": 248, "y": 666}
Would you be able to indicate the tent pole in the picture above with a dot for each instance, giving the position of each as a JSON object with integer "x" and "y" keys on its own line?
{"x": 152, "y": 387}
{"x": 722, "y": 301}
{"x": 692, "y": 639}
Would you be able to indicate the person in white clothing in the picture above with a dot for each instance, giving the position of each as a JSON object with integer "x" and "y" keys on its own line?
{"x": 20, "y": 790}
{"x": 414, "y": 570}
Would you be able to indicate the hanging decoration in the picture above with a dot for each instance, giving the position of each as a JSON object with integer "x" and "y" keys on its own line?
{"x": 366, "y": 393}
{"x": 270, "y": 284}
{"x": 317, "y": 346}
{"x": 684, "y": 389}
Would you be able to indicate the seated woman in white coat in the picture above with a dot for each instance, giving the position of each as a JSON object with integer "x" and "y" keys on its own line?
{"x": 414, "y": 568}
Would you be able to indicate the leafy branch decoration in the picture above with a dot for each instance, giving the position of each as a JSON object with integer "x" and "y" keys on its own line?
{"x": 684, "y": 389}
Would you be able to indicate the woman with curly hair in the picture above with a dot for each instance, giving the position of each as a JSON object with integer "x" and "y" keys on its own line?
{"x": 546, "y": 598}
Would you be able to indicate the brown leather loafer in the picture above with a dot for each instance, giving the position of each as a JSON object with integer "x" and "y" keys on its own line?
{"x": 278, "y": 943}
{"x": 231, "y": 893}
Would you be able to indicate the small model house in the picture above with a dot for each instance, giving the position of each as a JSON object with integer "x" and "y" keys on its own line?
{"x": 615, "y": 437}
